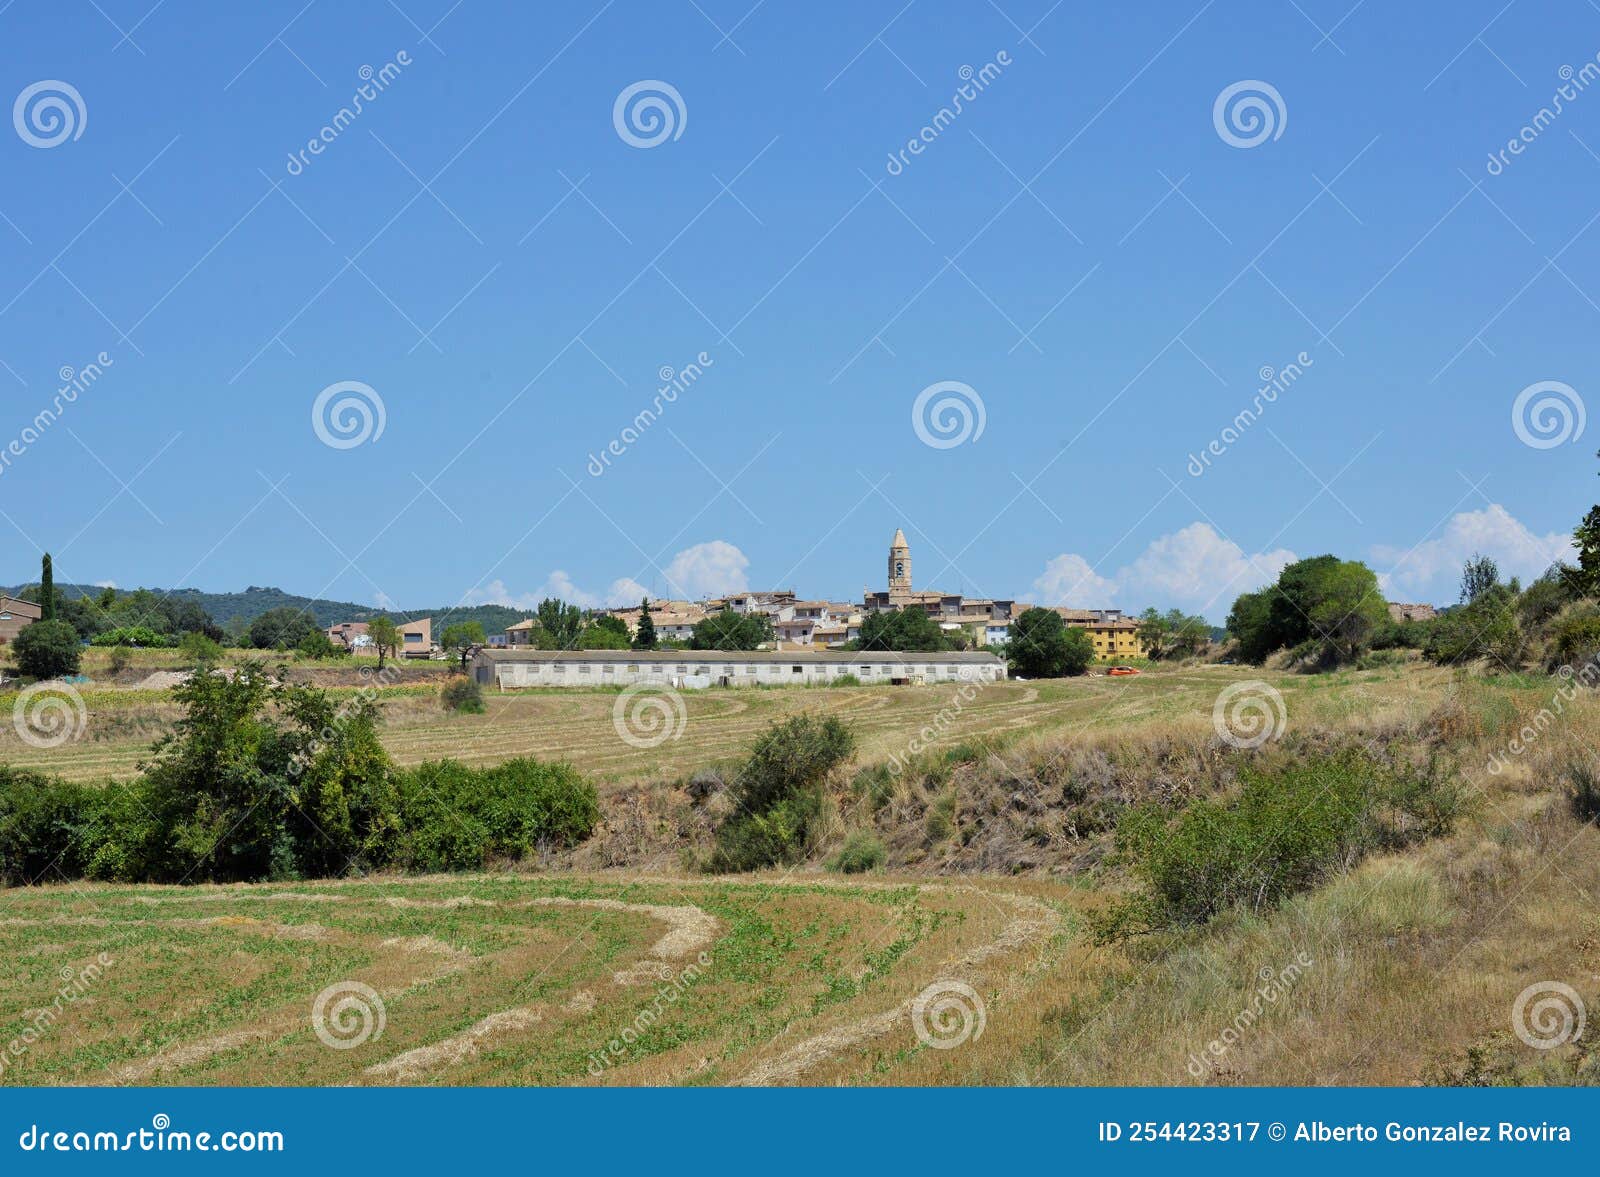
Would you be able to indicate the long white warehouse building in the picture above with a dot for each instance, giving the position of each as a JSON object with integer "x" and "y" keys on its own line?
{"x": 522, "y": 667}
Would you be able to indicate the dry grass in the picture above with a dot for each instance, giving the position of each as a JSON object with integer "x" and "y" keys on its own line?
{"x": 1415, "y": 960}
{"x": 576, "y": 725}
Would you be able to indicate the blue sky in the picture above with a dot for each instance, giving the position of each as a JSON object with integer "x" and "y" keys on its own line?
{"x": 1080, "y": 246}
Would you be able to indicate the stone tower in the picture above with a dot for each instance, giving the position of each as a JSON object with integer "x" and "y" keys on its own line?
{"x": 899, "y": 564}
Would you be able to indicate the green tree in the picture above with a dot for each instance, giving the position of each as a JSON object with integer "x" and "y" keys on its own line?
{"x": 47, "y": 589}
{"x": 1322, "y": 598}
{"x": 317, "y": 644}
{"x": 559, "y": 624}
{"x": 604, "y": 633}
{"x": 1478, "y": 576}
{"x": 728, "y": 630}
{"x": 47, "y": 649}
{"x": 1289, "y": 618}
{"x": 385, "y": 634}
{"x": 461, "y": 636}
{"x": 908, "y": 630}
{"x": 1173, "y": 634}
{"x": 1250, "y": 624}
{"x": 283, "y": 628}
{"x": 1042, "y": 646}
{"x": 1485, "y": 627}
{"x": 201, "y": 652}
{"x": 1586, "y": 537}
{"x": 1347, "y": 609}
{"x": 644, "y": 635}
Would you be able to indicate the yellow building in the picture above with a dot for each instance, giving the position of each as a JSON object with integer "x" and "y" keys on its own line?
{"x": 1115, "y": 637}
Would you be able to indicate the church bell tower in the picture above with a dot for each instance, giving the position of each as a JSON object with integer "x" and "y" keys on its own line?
{"x": 899, "y": 564}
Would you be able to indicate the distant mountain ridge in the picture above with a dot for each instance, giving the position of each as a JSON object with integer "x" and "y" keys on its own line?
{"x": 256, "y": 600}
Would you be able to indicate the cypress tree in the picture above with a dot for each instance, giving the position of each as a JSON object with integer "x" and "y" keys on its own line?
{"x": 644, "y": 635}
{"x": 47, "y": 590}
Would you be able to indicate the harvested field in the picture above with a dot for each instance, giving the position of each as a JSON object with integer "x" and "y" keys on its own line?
{"x": 1401, "y": 967}
{"x": 487, "y": 979}
{"x": 577, "y": 725}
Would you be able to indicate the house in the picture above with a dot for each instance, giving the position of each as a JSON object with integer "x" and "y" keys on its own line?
{"x": 692, "y": 668}
{"x": 352, "y": 635}
{"x": 835, "y": 634}
{"x": 772, "y": 602}
{"x": 796, "y": 631}
{"x": 1115, "y": 637}
{"x": 15, "y": 616}
{"x": 1399, "y": 612}
{"x": 674, "y": 620}
{"x": 416, "y": 638}
{"x": 521, "y": 633}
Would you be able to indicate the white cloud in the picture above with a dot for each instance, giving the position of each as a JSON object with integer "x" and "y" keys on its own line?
{"x": 711, "y": 569}
{"x": 1194, "y": 569}
{"x": 1069, "y": 580}
{"x": 1197, "y": 568}
{"x": 626, "y": 591}
{"x": 110, "y": 584}
{"x": 384, "y": 601}
{"x": 1432, "y": 569}
{"x": 708, "y": 569}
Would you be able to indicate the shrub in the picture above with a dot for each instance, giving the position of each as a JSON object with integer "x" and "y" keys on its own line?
{"x": 1584, "y": 782}
{"x": 1576, "y": 639}
{"x": 462, "y": 695}
{"x": 454, "y": 817}
{"x": 874, "y": 784}
{"x": 47, "y": 649}
{"x": 1485, "y": 628}
{"x": 777, "y": 794}
{"x": 1285, "y": 831}
{"x": 862, "y": 851}
{"x": 317, "y": 644}
{"x": 791, "y": 756}
{"x": 200, "y": 650}
{"x": 941, "y": 820}
{"x": 844, "y": 680}
{"x": 46, "y": 827}
{"x": 260, "y": 780}
{"x": 131, "y": 635}
{"x": 779, "y": 835}
{"x": 121, "y": 656}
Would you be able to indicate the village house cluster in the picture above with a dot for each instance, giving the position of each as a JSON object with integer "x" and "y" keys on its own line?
{"x": 802, "y": 624}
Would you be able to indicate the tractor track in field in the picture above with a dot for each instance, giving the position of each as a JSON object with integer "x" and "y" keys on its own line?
{"x": 1035, "y": 922}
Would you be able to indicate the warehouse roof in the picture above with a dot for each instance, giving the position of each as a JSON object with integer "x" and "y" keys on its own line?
{"x": 969, "y": 657}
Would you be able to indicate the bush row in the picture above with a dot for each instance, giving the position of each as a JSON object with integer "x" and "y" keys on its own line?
{"x": 442, "y": 816}
{"x": 1284, "y": 831}
{"x": 266, "y": 780}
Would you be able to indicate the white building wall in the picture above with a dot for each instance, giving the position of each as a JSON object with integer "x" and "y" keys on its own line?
{"x": 574, "y": 672}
